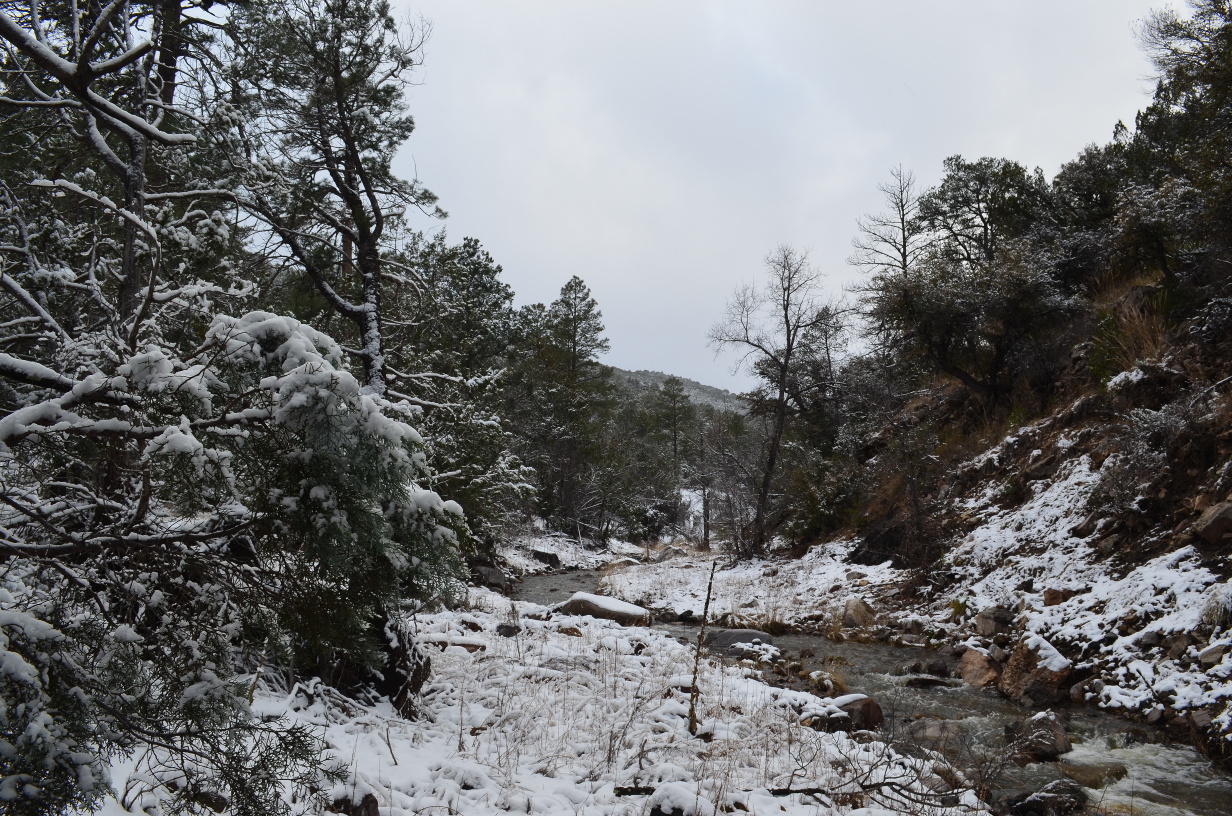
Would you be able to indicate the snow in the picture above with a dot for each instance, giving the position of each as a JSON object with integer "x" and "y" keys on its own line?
{"x": 554, "y": 720}
{"x": 1167, "y": 594}
{"x": 808, "y": 593}
{"x": 517, "y": 553}
{"x": 1126, "y": 378}
{"x": 1047, "y": 654}
{"x": 1109, "y": 610}
{"x": 612, "y": 605}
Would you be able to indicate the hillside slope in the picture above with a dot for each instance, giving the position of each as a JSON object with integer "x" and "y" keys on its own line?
{"x": 697, "y": 392}
{"x": 1085, "y": 559}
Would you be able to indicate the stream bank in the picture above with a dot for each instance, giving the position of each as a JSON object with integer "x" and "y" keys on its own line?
{"x": 924, "y": 711}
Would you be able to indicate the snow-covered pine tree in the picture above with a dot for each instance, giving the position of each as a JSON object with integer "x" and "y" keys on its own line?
{"x": 447, "y": 342}
{"x": 185, "y": 496}
{"x": 321, "y": 84}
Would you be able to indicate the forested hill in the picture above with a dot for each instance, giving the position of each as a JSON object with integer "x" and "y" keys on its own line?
{"x": 717, "y": 398}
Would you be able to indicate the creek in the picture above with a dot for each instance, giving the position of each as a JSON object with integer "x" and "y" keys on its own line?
{"x": 1163, "y": 779}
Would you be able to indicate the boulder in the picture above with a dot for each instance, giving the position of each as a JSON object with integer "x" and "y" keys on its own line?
{"x": 865, "y": 713}
{"x": 993, "y": 621}
{"x": 668, "y": 553}
{"x": 1212, "y": 656}
{"x": 1109, "y": 544}
{"x": 1041, "y": 738}
{"x": 367, "y": 806}
{"x": 1149, "y": 639}
{"x": 1095, "y": 777}
{"x": 1177, "y": 644}
{"x": 544, "y": 557}
{"x": 491, "y": 577}
{"x": 1178, "y": 728}
{"x": 1035, "y": 674}
{"x": 915, "y": 626}
{"x": 1053, "y": 597}
{"x": 1215, "y": 522}
{"x": 938, "y": 668}
{"x": 727, "y": 638}
{"x": 857, "y": 614}
{"x": 447, "y": 641}
{"x": 1059, "y": 798}
{"x": 978, "y": 669}
{"x": 925, "y": 682}
{"x": 1086, "y": 527}
{"x": 601, "y": 606}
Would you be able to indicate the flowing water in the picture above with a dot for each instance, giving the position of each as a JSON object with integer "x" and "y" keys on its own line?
{"x": 1162, "y": 779}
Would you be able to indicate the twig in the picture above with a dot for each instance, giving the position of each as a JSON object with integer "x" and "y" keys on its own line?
{"x": 1150, "y": 687}
{"x": 694, "y": 691}
{"x": 390, "y": 744}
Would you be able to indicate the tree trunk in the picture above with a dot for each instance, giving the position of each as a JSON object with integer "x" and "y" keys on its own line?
{"x": 705, "y": 518}
{"x": 171, "y": 47}
{"x": 134, "y": 202}
{"x": 373, "y": 343}
{"x": 767, "y": 478}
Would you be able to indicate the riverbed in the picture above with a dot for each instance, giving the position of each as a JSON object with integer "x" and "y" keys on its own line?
{"x": 1170, "y": 780}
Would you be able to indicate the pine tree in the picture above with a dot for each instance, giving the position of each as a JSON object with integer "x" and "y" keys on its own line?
{"x": 186, "y": 493}
{"x": 560, "y": 399}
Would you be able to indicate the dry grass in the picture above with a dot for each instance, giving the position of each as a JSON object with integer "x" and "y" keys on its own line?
{"x": 1132, "y": 325}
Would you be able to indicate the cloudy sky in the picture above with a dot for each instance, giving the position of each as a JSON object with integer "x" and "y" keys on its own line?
{"x": 659, "y": 149}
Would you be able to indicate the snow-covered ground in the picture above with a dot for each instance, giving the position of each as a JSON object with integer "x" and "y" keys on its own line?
{"x": 808, "y": 593}
{"x": 1117, "y": 617}
{"x": 575, "y": 715}
{"x": 518, "y": 553}
{"x": 1114, "y": 618}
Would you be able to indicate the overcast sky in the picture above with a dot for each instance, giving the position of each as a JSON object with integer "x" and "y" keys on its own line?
{"x": 659, "y": 149}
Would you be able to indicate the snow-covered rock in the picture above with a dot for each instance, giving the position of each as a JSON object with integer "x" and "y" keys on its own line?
{"x": 601, "y": 606}
{"x": 1035, "y": 674}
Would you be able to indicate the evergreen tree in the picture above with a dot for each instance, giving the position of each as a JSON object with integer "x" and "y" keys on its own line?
{"x": 186, "y": 493}
{"x": 560, "y": 397}
{"x": 320, "y": 86}
{"x": 448, "y": 339}
{"x": 676, "y": 415}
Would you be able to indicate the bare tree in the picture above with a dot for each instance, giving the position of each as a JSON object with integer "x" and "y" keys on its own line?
{"x": 773, "y": 328}
{"x": 892, "y": 241}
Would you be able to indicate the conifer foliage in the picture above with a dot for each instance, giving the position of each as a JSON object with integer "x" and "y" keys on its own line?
{"x": 192, "y": 487}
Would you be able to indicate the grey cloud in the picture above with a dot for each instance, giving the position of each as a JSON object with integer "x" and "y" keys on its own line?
{"x": 660, "y": 149}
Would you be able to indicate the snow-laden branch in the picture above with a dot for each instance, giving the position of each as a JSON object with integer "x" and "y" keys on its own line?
{"x": 76, "y": 78}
